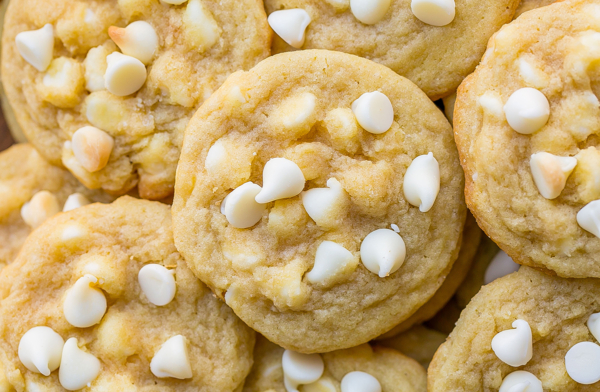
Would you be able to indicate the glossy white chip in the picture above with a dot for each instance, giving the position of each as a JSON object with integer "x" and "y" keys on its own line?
{"x": 527, "y": 110}
{"x": 383, "y": 252}
{"x": 422, "y": 182}
{"x": 40, "y": 350}
{"x": 374, "y": 112}
{"x": 282, "y": 179}
{"x": 290, "y": 25}
{"x": 514, "y": 346}
{"x": 157, "y": 283}
{"x": 37, "y": 46}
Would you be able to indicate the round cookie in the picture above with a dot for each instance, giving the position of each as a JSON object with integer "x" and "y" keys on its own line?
{"x": 111, "y": 243}
{"x": 178, "y": 54}
{"x": 436, "y": 58}
{"x": 297, "y": 107}
{"x": 394, "y": 371}
{"x": 419, "y": 343}
{"x": 454, "y": 280}
{"x": 556, "y": 310}
{"x": 535, "y": 221}
{"x": 24, "y": 173}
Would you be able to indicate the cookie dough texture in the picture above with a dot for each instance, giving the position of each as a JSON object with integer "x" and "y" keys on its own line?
{"x": 556, "y": 309}
{"x": 394, "y": 371}
{"x": 148, "y": 125}
{"x": 419, "y": 343}
{"x": 23, "y": 173}
{"x": 553, "y": 49}
{"x": 436, "y": 59}
{"x": 460, "y": 269}
{"x": 115, "y": 241}
{"x": 263, "y": 114}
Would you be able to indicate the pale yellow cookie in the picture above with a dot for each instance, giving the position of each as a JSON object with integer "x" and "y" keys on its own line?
{"x": 527, "y": 321}
{"x": 527, "y": 124}
{"x": 109, "y": 282}
{"x": 63, "y": 71}
{"x": 24, "y": 174}
{"x": 399, "y": 34}
{"x": 393, "y": 371}
{"x": 292, "y": 125}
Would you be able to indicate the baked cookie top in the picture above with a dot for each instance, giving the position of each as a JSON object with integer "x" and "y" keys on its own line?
{"x": 276, "y": 369}
{"x": 288, "y": 248}
{"x": 460, "y": 269}
{"x": 435, "y": 44}
{"x": 26, "y": 178}
{"x": 106, "y": 88}
{"x": 527, "y": 124}
{"x": 525, "y": 327}
{"x": 105, "y": 286}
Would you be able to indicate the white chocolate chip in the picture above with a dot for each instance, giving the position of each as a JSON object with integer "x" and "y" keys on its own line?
{"x": 588, "y": 218}
{"x": 550, "y": 173}
{"x": 290, "y": 25}
{"x": 514, "y": 346}
{"x": 200, "y": 27}
{"x": 521, "y": 381}
{"x": 383, "y": 252}
{"x": 500, "y": 266}
{"x": 124, "y": 74}
{"x": 369, "y": 11}
{"x": 360, "y": 382}
{"x": 158, "y": 283}
{"x": 95, "y": 66}
{"x": 92, "y": 148}
{"x": 240, "y": 207}
{"x": 331, "y": 260}
{"x": 42, "y": 206}
{"x": 374, "y": 112}
{"x": 137, "y": 40}
{"x": 434, "y": 12}
{"x": 491, "y": 104}
{"x": 395, "y": 228}
{"x": 583, "y": 363}
{"x": 84, "y": 305}
{"x": 527, "y": 110}
{"x": 74, "y": 201}
{"x": 422, "y": 182}
{"x": 531, "y": 74}
{"x": 72, "y": 233}
{"x": 299, "y": 369}
{"x": 40, "y": 350}
{"x": 282, "y": 179}
{"x": 77, "y": 367}
{"x": 37, "y": 46}
{"x": 321, "y": 204}
{"x": 172, "y": 359}
{"x": 216, "y": 157}
{"x": 593, "y": 324}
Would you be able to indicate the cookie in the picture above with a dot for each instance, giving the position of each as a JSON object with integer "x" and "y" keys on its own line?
{"x": 112, "y": 294}
{"x": 526, "y": 124}
{"x": 107, "y": 88}
{"x": 306, "y": 183}
{"x": 390, "y": 369}
{"x": 524, "y": 327}
{"x": 25, "y": 175}
{"x": 436, "y": 46}
{"x": 454, "y": 280}
{"x": 419, "y": 343}
{"x": 527, "y": 5}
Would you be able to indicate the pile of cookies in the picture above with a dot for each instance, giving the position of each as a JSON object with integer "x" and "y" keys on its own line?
{"x": 264, "y": 197}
